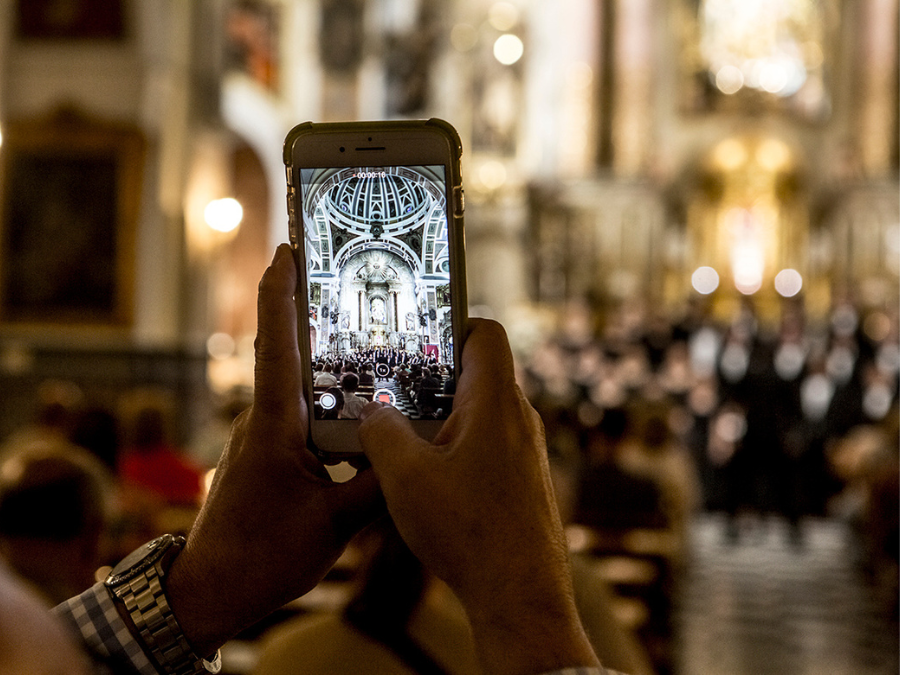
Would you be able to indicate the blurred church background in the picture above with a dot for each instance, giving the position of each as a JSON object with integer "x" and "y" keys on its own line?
{"x": 683, "y": 211}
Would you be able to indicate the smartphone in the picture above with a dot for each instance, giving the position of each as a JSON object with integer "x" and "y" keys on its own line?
{"x": 376, "y": 225}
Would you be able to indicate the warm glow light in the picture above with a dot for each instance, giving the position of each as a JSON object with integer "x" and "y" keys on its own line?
{"x": 508, "y": 49}
{"x": 747, "y": 264}
{"x": 788, "y": 283}
{"x": 1, "y": 137}
{"x": 223, "y": 215}
{"x": 815, "y": 57}
{"x": 748, "y": 259}
{"x": 877, "y": 326}
{"x": 771, "y": 45}
{"x": 773, "y": 78}
{"x": 731, "y": 426}
{"x": 503, "y": 15}
{"x": 220, "y": 346}
{"x": 463, "y": 37}
{"x": 705, "y": 280}
{"x": 729, "y": 79}
{"x": 772, "y": 154}
{"x": 730, "y": 154}
{"x": 492, "y": 174}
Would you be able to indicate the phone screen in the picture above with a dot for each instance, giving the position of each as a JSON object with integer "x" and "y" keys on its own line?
{"x": 378, "y": 274}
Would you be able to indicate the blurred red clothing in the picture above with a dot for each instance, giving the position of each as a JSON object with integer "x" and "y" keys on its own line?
{"x": 164, "y": 471}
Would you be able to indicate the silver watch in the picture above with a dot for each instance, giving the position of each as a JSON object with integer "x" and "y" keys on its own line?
{"x": 137, "y": 582}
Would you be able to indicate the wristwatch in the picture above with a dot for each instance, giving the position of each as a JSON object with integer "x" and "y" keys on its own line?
{"x": 137, "y": 587}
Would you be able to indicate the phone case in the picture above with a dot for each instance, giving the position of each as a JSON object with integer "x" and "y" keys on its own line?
{"x": 360, "y": 137}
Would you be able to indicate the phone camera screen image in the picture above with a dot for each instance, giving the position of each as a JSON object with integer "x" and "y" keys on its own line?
{"x": 378, "y": 287}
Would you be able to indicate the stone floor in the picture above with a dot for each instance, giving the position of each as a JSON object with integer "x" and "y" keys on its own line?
{"x": 763, "y": 605}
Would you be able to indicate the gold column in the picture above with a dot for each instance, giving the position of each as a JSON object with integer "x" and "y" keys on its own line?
{"x": 878, "y": 85}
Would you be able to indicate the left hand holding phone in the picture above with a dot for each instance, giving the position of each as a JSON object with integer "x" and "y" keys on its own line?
{"x": 274, "y": 523}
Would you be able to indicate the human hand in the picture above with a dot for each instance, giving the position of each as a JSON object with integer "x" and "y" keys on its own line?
{"x": 476, "y": 506}
{"x": 274, "y": 523}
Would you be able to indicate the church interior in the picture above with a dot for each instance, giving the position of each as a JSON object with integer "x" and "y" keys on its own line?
{"x": 685, "y": 213}
{"x": 378, "y": 293}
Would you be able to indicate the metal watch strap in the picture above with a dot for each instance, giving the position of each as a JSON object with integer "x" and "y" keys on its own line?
{"x": 147, "y": 605}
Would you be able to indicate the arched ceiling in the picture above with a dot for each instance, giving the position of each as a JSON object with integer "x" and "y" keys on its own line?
{"x": 395, "y": 209}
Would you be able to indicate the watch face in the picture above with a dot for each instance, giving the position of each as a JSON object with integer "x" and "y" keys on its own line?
{"x": 139, "y": 559}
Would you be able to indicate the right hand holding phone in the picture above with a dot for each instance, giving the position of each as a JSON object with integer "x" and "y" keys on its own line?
{"x": 477, "y": 507}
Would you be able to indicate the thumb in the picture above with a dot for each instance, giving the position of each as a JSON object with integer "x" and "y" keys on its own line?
{"x": 387, "y": 436}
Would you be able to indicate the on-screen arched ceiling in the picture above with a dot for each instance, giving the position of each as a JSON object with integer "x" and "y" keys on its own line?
{"x": 394, "y": 209}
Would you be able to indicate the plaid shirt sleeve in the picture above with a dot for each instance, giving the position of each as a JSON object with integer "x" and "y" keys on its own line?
{"x": 93, "y": 618}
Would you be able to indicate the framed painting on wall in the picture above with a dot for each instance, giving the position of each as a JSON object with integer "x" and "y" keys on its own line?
{"x": 70, "y": 197}
{"x": 70, "y": 19}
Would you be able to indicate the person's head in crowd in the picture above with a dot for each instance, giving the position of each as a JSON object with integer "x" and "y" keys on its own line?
{"x": 54, "y": 504}
{"x": 604, "y": 439}
{"x": 656, "y": 433}
{"x": 149, "y": 429}
{"x": 97, "y": 430}
{"x": 350, "y": 382}
{"x": 51, "y": 416}
{"x": 57, "y": 403}
{"x": 147, "y": 417}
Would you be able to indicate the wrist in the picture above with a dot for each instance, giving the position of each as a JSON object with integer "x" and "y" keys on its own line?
{"x": 200, "y": 609}
{"x": 530, "y": 631}
{"x": 138, "y": 586}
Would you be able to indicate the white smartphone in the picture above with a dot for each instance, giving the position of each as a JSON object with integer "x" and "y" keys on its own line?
{"x": 376, "y": 225}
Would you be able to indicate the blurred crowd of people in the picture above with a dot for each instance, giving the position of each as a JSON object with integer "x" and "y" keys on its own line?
{"x": 647, "y": 421}
{"x": 654, "y": 419}
{"x": 81, "y": 485}
{"x": 671, "y": 415}
{"x": 350, "y": 377}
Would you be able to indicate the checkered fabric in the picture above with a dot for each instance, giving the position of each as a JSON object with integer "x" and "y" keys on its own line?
{"x": 95, "y": 620}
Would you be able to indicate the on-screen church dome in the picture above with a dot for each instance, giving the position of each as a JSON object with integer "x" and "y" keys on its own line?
{"x": 395, "y": 202}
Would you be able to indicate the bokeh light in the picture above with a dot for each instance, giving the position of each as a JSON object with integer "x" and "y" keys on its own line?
{"x": 788, "y": 283}
{"x": 223, "y": 215}
{"x": 463, "y": 37}
{"x": 705, "y": 280}
{"x": 220, "y": 346}
{"x": 508, "y": 49}
{"x": 492, "y": 174}
{"x": 729, "y": 79}
{"x": 503, "y": 15}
